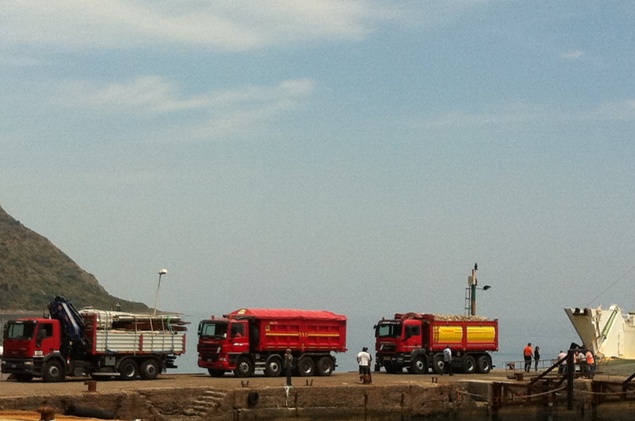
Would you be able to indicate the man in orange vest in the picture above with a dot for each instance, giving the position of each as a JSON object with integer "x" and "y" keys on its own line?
{"x": 527, "y": 353}
{"x": 590, "y": 361}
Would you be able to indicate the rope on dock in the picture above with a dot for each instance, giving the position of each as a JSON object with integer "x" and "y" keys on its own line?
{"x": 587, "y": 392}
{"x": 484, "y": 397}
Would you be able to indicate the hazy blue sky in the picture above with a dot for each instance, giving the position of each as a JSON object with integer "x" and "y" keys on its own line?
{"x": 356, "y": 156}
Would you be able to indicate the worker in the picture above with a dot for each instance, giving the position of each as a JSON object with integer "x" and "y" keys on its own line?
{"x": 447, "y": 360}
{"x": 288, "y": 365}
{"x": 528, "y": 352}
{"x": 562, "y": 367}
{"x": 590, "y": 362}
{"x": 364, "y": 359}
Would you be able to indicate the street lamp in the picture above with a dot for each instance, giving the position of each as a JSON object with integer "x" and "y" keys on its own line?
{"x": 472, "y": 283}
{"x": 156, "y": 297}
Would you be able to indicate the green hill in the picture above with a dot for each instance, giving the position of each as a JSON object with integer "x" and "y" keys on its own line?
{"x": 33, "y": 271}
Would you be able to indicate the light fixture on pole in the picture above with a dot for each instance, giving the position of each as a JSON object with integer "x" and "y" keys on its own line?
{"x": 472, "y": 283}
{"x": 156, "y": 296}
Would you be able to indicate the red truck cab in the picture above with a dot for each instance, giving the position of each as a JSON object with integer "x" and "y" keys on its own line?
{"x": 30, "y": 346}
{"x": 221, "y": 343}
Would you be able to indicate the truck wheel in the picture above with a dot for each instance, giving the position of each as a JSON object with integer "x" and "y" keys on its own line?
{"x": 244, "y": 367}
{"x": 53, "y": 371}
{"x": 23, "y": 377}
{"x": 420, "y": 365}
{"x": 273, "y": 366}
{"x": 325, "y": 366}
{"x": 149, "y": 369}
{"x": 128, "y": 369}
{"x": 216, "y": 373}
{"x": 483, "y": 364}
{"x": 306, "y": 366}
{"x": 438, "y": 365}
{"x": 469, "y": 365}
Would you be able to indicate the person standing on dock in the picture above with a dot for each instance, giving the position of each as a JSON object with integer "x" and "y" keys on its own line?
{"x": 536, "y": 357}
{"x": 364, "y": 359}
{"x": 562, "y": 357}
{"x": 528, "y": 353}
{"x": 447, "y": 360}
{"x": 288, "y": 365}
{"x": 590, "y": 361}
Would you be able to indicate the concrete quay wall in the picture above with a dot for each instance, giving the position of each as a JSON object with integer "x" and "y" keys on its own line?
{"x": 272, "y": 403}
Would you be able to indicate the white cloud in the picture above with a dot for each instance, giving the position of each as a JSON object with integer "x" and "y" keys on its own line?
{"x": 153, "y": 94}
{"x": 214, "y": 114}
{"x": 18, "y": 61}
{"x": 217, "y": 24}
{"x": 572, "y": 55}
{"x": 226, "y": 25}
{"x": 148, "y": 94}
{"x": 616, "y": 110}
{"x": 509, "y": 115}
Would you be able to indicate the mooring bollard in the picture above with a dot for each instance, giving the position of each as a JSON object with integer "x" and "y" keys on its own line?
{"x": 92, "y": 385}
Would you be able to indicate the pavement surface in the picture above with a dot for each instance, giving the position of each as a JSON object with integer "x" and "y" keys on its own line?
{"x": 79, "y": 385}
{"x": 612, "y": 371}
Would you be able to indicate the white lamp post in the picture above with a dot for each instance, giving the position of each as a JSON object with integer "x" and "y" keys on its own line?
{"x": 156, "y": 297}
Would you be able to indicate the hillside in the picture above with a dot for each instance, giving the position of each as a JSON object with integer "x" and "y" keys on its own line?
{"x": 33, "y": 271}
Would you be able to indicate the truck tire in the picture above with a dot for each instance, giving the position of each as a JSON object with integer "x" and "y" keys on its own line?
{"x": 128, "y": 369}
{"x": 419, "y": 365}
{"x": 149, "y": 369}
{"x": 244, "y": 367}
{"x": 484, "y": 364}
{"x": 53, "y": 371}
{"x": 216, "y": 373}
{"x": 438, "y": 365}
{"x": 325, "y": 366}
{"x": 469, "y": 365}
{"x": 306, "y": 366}
{"x": 273, "y": 366}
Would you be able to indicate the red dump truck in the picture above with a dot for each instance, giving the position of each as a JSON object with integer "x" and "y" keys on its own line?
{"x": 253, "y": 339}
{"x": 91, "y": 342}
{"x": 415, "y": 341}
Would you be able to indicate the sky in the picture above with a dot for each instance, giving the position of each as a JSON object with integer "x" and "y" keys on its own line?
{"x": 347, "y": 155}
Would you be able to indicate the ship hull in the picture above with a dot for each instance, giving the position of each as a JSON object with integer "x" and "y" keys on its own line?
{"x": 606, "y": 333}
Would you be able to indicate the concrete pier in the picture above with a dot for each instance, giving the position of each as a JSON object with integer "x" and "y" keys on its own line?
{"x": 336, "y": 397}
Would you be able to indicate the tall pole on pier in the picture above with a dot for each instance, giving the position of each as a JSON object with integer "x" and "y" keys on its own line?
{"x": 473, "y": 282}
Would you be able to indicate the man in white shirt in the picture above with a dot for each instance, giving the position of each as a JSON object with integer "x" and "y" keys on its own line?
{"x": 364, "y": 359}
{"x": 562, "y": 368}
{"x": 447, "y": 360}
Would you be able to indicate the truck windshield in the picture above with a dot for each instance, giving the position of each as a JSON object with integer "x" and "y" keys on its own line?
{"x": 388, "y": 330}
{"x": 19, "y": 330}
{"x": 212, "y": 329}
